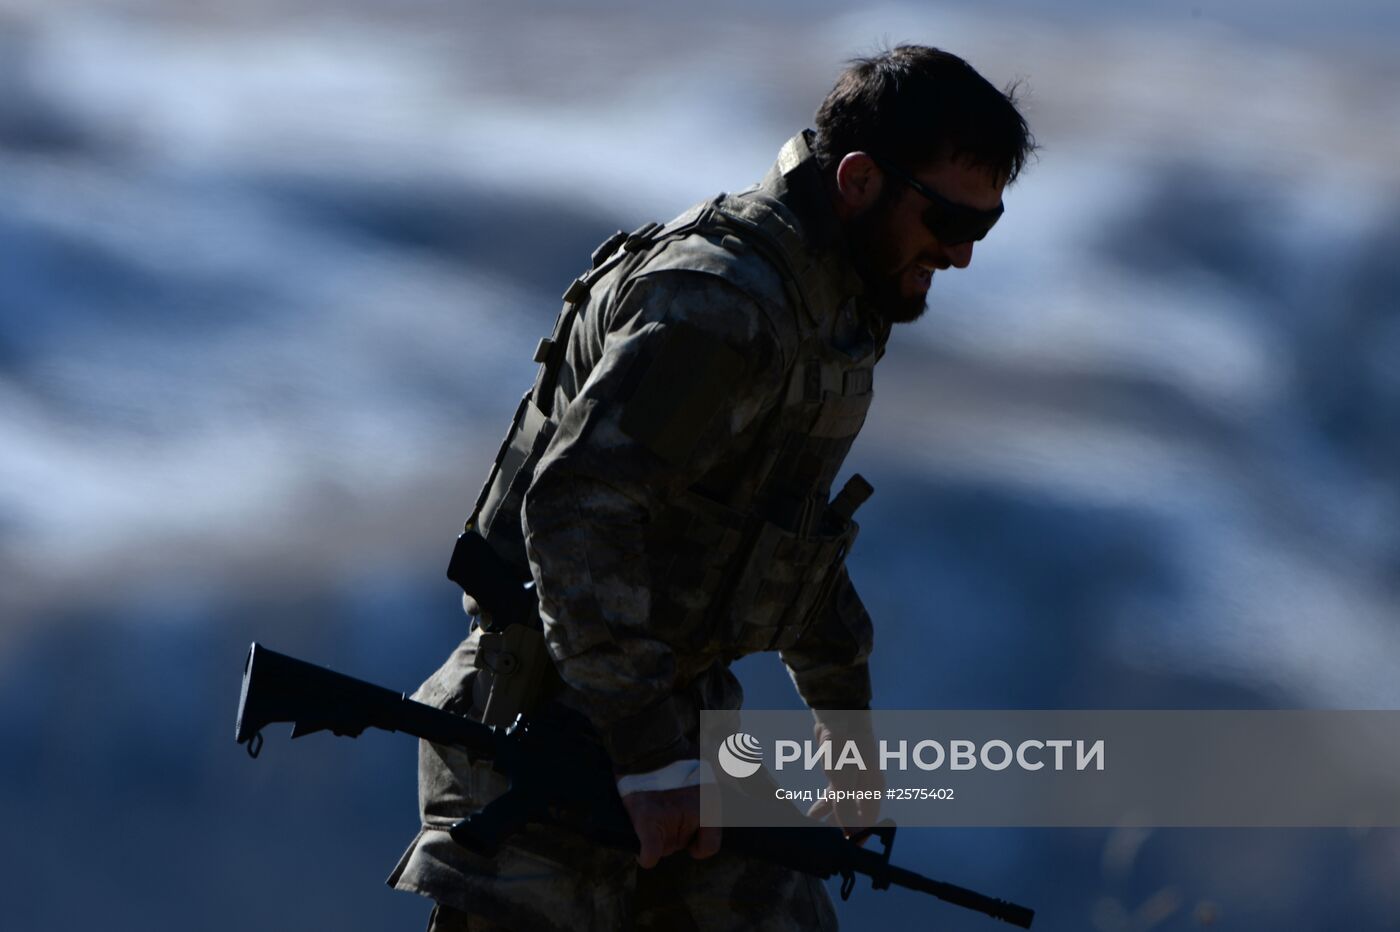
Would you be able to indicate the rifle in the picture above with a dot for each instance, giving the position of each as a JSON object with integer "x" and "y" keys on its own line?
{"x": 533, "y": 755}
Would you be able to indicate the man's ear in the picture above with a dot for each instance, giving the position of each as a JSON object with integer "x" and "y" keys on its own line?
{"x": 858, "y": 184}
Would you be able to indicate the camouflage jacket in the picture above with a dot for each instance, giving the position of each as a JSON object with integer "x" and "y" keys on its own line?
{"x": 676, "y": 514}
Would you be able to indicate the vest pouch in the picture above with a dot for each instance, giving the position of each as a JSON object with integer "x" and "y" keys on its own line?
{"x": 514, "y": 673}
{"x": 785, "y": 578}
{"x": 504, "y": 493}
{"x": 841, "y": 416}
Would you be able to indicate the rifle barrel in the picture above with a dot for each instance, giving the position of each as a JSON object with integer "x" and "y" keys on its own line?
{"x": 961, "y": 896}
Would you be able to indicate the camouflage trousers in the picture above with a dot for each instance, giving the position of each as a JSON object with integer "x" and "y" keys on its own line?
{"x": 545, "y": 880}
{"x": 721, "y": 894}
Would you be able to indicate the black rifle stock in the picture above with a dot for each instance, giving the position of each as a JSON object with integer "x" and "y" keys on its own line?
{"x": 557, "y": 775}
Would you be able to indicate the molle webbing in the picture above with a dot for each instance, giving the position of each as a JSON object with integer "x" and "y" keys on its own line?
{"x": 534, "y": 422}
{"x": 550, "y": 351}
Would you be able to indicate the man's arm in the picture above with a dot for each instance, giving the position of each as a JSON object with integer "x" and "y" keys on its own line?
{"x": 830, "y": 666}
{"x": 687, "y": 364}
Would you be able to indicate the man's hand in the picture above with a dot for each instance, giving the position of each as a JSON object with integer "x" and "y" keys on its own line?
{"x": 852, "y": 815}
{"x": 667, "y": 821}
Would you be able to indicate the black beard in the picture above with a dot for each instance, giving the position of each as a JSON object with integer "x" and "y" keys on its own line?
{"x": 873, "y": 255}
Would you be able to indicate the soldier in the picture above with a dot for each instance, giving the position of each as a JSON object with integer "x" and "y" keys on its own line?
{"x": 667, "y": 487}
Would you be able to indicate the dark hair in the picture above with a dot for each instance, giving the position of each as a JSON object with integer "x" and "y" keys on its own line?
{"x": 920, "y": 105}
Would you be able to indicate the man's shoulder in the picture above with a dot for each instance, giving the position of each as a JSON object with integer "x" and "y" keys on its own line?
{"x": 717, "y": 267}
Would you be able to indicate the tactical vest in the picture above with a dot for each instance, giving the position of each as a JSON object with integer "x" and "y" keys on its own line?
{"x": 768, "y": 559}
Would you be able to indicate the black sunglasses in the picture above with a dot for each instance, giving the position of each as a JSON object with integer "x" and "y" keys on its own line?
{"x": 953, "y": 223}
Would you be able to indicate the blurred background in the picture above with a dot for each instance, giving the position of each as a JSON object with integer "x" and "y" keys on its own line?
{"x": 272, "y": 275}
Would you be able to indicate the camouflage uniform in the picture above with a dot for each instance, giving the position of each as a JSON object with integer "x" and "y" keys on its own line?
{"x": 669, "y": 485}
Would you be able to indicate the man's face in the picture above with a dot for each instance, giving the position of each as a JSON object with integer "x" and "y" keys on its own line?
{"x": 897, "y": 253}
